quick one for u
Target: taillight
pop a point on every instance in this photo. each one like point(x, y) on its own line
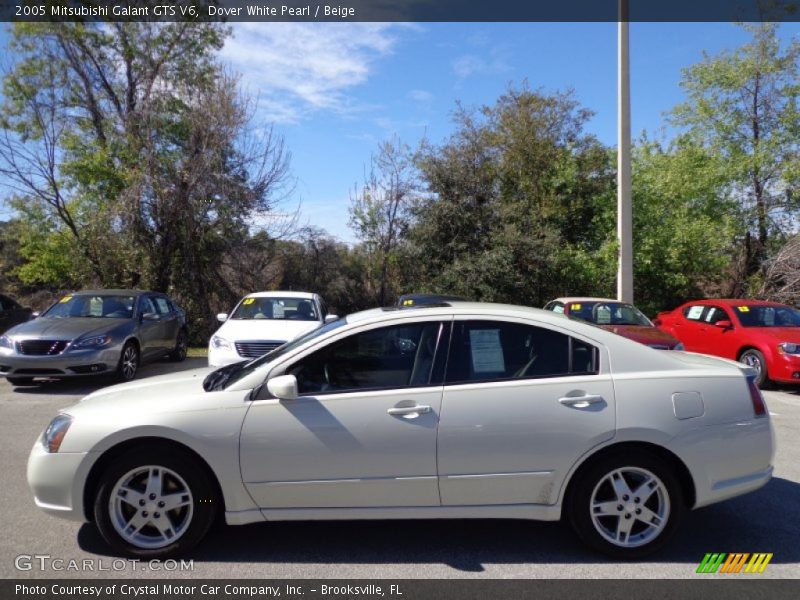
point(759, 406)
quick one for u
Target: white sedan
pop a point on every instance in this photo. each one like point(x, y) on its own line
point(449, 411)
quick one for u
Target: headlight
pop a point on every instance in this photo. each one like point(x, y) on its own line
point(679, 346)
point(789, 348)
point(220, 343)
point(55, 432)
point(93, 342)
point(5, 342)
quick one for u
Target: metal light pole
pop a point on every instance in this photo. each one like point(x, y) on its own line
point(624, 213)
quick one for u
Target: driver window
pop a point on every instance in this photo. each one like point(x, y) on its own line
point(146, 305)
point(716, 314)
point(389, 357)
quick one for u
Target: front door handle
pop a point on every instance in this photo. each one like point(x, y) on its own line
point(409, 411)
point(581, 401)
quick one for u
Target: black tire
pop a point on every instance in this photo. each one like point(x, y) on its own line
point(190, 523)
point(755, 359)
point(594, 479)
point(128, 364)
point(178, 353)
point(19, 381)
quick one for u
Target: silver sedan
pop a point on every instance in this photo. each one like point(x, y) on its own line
point(459, 410)
point(94, 333)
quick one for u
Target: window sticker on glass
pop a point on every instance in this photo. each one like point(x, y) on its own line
point(695, 312)
point(487, 353)
point(65, 299)
point(278, 310)
point(575, 307)
point(743, 308)
point(558, 309)
point(248, 301)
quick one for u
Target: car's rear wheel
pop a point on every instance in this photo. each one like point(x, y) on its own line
point(178, 353)
point(152, 504)
point(626, 506)
point(755, 359)
point(128, 362)
point(20, 380)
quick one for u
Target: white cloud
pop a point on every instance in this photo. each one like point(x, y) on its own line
point(420, 96)
point(298, 68)
point(494, 63)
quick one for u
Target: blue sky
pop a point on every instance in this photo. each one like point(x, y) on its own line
point(335, 90)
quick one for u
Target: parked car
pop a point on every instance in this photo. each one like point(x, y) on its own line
point(94, 332)
point(764, 335)
point(11, 313)
point(620, 317)
point(456, 411)
point(263, 321)
point(409, 300)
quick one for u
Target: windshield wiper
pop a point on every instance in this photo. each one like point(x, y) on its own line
point(216, 380)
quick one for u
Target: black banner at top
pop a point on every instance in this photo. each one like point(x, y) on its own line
point(401, 10)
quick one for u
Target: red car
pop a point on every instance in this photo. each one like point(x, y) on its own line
point(621, 318)
point(764, 335)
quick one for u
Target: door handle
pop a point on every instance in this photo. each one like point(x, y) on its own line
point(409, 410)
point(581, 401)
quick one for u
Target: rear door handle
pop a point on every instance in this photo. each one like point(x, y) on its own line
point(581, 401)
point(409, 410)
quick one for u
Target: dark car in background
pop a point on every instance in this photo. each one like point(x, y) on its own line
point(11, 313)
point(619, 317)
point(95, 332)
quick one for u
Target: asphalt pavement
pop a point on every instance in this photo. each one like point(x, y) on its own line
point(765, 521)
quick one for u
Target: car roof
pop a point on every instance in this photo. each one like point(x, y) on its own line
point(280, 294)
point(735, 302)
point(568, 299)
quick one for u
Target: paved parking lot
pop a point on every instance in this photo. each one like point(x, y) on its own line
point(765, 521)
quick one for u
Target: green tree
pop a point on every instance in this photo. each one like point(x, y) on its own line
point(742, 107)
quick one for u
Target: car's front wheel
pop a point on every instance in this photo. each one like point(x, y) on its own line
point(626, 506)
point(128, 362)
point(755, 359)
point(152, 504)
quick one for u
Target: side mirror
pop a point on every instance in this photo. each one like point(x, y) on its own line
point(222, 317)
point(283, 387)
point(724, 324)
point(330, 318)
point(149, 316)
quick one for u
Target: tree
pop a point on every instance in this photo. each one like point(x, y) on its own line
point(742, 106)
point(135, 144)
point(379, 214)
point(514, 195)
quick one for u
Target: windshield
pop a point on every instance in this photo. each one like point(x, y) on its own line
point(106, 306)
point(768, 316)
point(295, 309)
point(608, 313)
point(227, 376)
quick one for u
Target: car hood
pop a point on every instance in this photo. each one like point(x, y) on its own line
point(649, 336)
point(174, 392)
point(235, 330)
point(64, 329)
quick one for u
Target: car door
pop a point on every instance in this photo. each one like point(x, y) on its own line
point(715, 340)
point(521, 404)
point(363, 431)
point(169, 321)
point(688, 327)
point(150, 330)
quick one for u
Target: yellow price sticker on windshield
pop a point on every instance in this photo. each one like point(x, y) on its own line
point(408, 302)
point(248, 301)
point(65, 299)
point(575, 307)
point(744, 308)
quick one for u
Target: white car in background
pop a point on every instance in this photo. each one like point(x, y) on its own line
point(459, 410)
point(261, 322)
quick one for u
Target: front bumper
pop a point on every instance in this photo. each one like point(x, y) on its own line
point(70, 363)
point(785, 368)
point(56, 480)
point(221, 357)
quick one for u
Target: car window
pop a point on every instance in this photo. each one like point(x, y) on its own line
point(768, 316)
point(162, 306)
point(390, 357)
point(556, 307)
point(694, 312)
point(146, 305)
point(98, 306)
point(714, 314)
point(296, 309)
point(496, 350)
